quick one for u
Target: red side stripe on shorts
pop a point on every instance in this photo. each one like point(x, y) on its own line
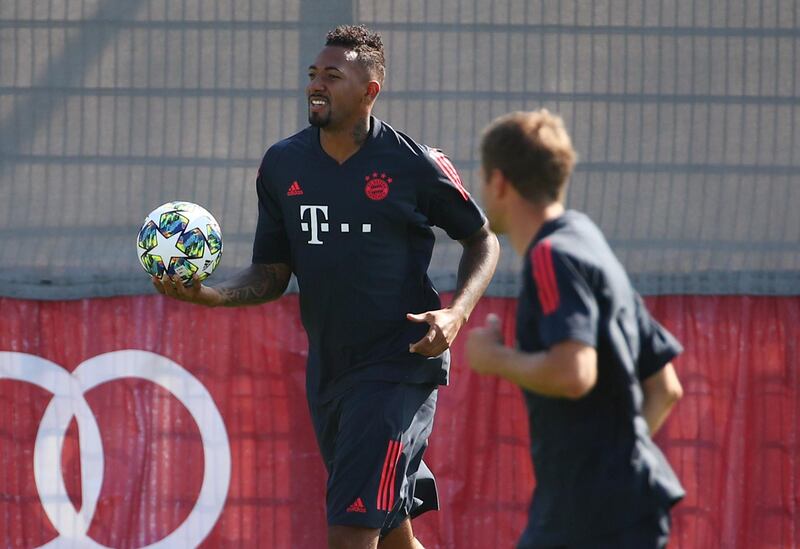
point(386, 465)
point(392, 482)
point(386, 486)
point(545, 276)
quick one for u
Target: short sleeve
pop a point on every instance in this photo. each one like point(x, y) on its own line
point(444, 200)
point(658, 347)
point(567, 304)
point(271, 244)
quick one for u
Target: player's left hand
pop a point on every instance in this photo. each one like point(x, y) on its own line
point(444, 327)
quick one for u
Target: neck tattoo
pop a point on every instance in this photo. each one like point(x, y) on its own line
point(360, 133)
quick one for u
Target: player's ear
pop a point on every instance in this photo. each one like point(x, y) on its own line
point(373, 89)
point(497, 182)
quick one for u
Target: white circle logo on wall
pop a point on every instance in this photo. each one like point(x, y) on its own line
point(68, 401)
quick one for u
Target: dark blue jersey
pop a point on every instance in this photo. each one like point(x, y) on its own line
point(597, 470)
point(358, 238)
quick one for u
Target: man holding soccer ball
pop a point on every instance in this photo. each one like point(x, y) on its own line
point(347, 205)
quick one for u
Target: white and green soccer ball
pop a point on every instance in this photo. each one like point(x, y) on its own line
point(180, 238)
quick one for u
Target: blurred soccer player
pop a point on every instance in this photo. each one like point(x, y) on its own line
point(347, 205)
point(594, 366)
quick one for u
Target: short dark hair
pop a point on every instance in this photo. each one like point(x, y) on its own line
point(533, 151)
point(366, 43)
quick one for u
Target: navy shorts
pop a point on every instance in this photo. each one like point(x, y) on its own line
point(649, 532)
point(372, 439)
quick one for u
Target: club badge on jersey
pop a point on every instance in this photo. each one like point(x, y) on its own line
point(377, 187)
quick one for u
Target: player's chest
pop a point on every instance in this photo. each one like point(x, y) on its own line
point(371, 184)
point(347, 202)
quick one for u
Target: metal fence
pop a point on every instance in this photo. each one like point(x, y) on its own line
point(683, 114)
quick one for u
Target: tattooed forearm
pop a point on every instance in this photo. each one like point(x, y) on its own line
point(258, 283)
point(476, 269)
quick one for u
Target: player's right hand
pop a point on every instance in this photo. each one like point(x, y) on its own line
point(196, 293)
point(483, 344)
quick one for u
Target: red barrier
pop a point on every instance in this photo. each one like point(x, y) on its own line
point(732, 439)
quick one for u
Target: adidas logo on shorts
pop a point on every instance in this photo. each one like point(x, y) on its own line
point(357, 507)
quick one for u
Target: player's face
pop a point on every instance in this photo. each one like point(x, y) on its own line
point(337, 88)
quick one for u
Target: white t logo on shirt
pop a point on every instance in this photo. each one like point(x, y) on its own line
point(316, 223)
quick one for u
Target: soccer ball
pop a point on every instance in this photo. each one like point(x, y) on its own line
point(180, 238)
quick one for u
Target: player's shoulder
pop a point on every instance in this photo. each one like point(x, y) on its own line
point(296, 144)
point(573, 240)
point(579, 249)
point(284, 155)
point(418, 154)
point(571, 231)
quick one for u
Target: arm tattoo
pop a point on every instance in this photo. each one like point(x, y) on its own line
point(476, 268)
point(258, 283)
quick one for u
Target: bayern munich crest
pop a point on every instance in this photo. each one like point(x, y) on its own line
point(377, 187)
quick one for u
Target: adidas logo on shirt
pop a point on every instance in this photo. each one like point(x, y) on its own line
point(294, 189)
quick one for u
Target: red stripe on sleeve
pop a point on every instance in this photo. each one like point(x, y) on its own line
point(545, 276)
point(450, 171)
point(551, 276)
point(543, 290)
point(538, 277)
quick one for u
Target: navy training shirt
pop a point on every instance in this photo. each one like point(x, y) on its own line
point(597, 469)
point(358, 238)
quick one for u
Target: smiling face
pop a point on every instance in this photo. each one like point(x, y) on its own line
point(339, 89)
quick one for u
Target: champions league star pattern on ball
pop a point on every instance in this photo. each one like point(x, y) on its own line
point(180, 238)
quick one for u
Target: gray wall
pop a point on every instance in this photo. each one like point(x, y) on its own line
point(683, 113)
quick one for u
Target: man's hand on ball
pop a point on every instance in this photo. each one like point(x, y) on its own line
point(172, 286)
point(175, 288)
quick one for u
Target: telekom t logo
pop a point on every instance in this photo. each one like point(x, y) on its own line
point(317, 223)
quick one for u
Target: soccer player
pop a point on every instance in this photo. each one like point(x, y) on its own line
point(594, 366)
point(347, 205)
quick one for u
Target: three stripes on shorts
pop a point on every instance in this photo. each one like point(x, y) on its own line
point(385, 500)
